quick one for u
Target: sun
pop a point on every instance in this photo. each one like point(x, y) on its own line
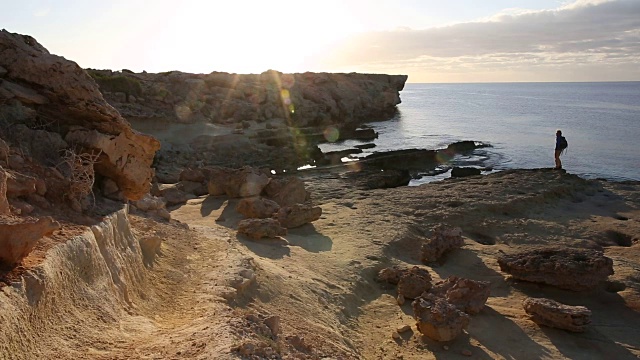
point(251, 37)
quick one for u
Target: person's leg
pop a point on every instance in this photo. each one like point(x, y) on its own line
point(558, 162)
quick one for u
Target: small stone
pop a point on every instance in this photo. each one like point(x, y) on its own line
point(445, 347)
point(467, 352)
point(395, 335)
point(400, 299)
point(404, 328)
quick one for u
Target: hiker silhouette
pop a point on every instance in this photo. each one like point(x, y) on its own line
point(561, 144)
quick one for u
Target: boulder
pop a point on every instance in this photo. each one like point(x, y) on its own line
point(259, 228)
point(387, 179)
point(437, 319)
point(245, 182)
point(413, 282)
point(216, 180)
point(257, 207)
point(465, 294)
point(173, 194)
point(298, 215)
point(554, 314)
point(149, 202)
point(192, 187)
point(391, 274)
point(18, 237)
point(194, 175)
point(571, 269)
point(444, 239)
point(287, 191)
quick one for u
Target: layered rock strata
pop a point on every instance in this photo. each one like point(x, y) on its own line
point(551, 313)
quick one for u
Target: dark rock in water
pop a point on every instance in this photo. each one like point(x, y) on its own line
point(366, 146)
point(360, 134)
point(571, 269)
point(464, 146)
point(464, 171)
point(376, 179)
point(407, 159)
point(335, 157)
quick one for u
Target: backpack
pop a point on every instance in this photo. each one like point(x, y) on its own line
point(563, 143)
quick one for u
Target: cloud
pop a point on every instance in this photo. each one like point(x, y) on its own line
point(582, 33)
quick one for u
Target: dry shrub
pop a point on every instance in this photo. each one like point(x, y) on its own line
point(78, 167)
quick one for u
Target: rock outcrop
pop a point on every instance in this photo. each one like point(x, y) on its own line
point(257, 207)
point(465, 294)
point(298, 214)
point(39, 88)
point(444, 239)
point(571, 269)
point(554, 314)
point(413, 282)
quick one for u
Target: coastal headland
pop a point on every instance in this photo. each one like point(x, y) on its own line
point(154, 216)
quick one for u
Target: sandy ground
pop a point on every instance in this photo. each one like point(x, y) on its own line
point(320, 278)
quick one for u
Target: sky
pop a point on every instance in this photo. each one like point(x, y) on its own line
point(429, 40)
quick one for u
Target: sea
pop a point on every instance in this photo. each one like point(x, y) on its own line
point(601, 121)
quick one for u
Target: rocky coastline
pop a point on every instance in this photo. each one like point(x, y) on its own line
point(163, 216)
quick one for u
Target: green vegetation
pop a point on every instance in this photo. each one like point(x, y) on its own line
point(117, 83)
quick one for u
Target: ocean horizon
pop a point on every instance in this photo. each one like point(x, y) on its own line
point(601, 121)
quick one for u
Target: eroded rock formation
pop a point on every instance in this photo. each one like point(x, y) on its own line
point(19, 236)
point(571, 269)
point(298, 214)
point(465, 294)
point(259, 228)
point(554, 314)
point(444, 239)
point(438, 319)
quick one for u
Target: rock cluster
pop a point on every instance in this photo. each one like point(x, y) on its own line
point(554, 314)
point(443, 310)
point(571, 269)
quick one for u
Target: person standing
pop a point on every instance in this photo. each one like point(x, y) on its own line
point(561, 144)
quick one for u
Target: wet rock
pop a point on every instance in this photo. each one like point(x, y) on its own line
point(551, 313)
point(18, 237)
point(260, 228)
point(413, 282)
point(467, 295)
point(298, 215)
point(257, 207)
point(571, 269)
point(464, 171)
point(444, 239)
point(437, 319)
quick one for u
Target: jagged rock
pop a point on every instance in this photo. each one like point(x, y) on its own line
point(571, 269)
point(465, 294)
point(149, 202)
point(298, 215)
point(18, 237)
point(464, 171)
point(437, 319)
point(246, 182)
point(273, 323)
point(20, 184)
point(554, 314)
point(413, 282)
point(391, 274)
point(257, 207)
point(59, 89)
point(444, 239)
point(4, 204)
point(287, 191)
point(259, 228)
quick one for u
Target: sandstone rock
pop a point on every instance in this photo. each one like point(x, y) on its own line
point(23, 94)
point(298, 215)
point(467, 295)
point(571, 269)
point(150, 246)
point(437, 319)
point(246, 182)
point(554, 314)
point(44, 146)
point(273, 322)
point(257, 207)
point(413, 282)
point(194, 175)
point(444, 239)
point(217, 178)
point(4, 204)
point(287, 191)
point(18, 237)
point(149, 202)
point(173, 195)
point(161, 213)
point(20, 184)
point(21, 207)
point(259, 228)
point(194, 188)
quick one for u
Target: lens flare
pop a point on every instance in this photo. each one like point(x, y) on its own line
point(331, 134)
point(444, 157)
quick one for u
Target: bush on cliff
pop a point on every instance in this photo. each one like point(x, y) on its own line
point(117, 83)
